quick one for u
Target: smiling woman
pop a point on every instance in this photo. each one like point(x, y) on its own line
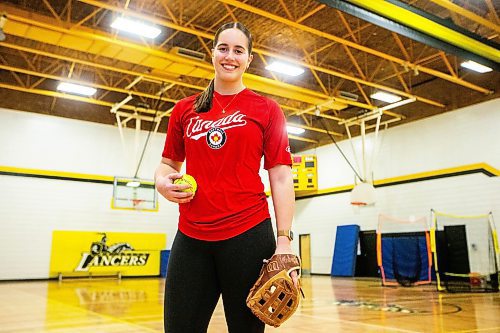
point(223, 143)
point(231, 57)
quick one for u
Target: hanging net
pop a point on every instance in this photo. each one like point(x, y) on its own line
point(403, 251)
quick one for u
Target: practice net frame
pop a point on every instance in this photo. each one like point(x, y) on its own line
point(466, 252)
point(404, 251)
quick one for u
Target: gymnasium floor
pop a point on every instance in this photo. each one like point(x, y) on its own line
point(331, 305)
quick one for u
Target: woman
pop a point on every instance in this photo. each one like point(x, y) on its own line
point(225, 230)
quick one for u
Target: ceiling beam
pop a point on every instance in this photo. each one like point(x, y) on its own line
point(24, 88)
point(424, 27)
point(468, 14)
point(264, 52)
point(57, 94)
point(110, 105)
point(102, 44)
point(319, 33)
point(153, 78)
point(89, 84)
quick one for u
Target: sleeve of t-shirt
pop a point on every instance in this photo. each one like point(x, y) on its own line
point(276, 145)
point(174, 143)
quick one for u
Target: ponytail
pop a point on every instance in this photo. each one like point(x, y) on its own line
point(203, 102)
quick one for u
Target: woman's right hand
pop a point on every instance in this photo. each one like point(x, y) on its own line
point(173, 192)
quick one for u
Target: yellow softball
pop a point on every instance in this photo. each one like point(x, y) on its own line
point(189, 180)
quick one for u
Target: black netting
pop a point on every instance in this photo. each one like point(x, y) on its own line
point(406, 260)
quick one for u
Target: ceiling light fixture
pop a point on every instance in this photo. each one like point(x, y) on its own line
point(284, 68)
point(76, 89)
point(294, 130)
point(397, 104)
point(135, 27)
point(472, 65)
point(385, 97)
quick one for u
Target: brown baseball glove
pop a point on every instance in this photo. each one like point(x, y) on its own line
point(274, 297)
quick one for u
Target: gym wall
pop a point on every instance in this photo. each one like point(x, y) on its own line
point(32, 207)
point(441, 148)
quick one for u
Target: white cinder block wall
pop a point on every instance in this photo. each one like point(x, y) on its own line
point(466, 136)
point(31, 208)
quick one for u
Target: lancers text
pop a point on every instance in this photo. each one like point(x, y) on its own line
point(111, 260)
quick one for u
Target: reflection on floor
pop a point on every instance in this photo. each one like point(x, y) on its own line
point(331, 305)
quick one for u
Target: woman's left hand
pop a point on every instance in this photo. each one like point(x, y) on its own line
point(284, 246)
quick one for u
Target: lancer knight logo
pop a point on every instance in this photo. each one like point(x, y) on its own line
point(119, 254)
point(216, 138)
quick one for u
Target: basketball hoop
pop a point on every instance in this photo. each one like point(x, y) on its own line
point(363, 194)
point(141, 198)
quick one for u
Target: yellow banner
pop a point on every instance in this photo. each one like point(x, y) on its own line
point(81, 253)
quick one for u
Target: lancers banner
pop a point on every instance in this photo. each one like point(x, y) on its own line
point(81, 253)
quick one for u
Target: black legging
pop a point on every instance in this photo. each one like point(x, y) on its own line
point(200, 271)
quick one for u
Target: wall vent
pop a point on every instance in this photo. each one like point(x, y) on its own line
point(188, 53)
point(348, 95)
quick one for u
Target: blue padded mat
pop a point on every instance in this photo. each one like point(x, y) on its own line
point(346, 247)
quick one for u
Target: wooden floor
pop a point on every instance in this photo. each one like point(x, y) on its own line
point(332, 305)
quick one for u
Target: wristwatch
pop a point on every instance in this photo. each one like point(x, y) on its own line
point(288, 233)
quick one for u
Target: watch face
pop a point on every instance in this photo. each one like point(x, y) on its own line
point(286, 233)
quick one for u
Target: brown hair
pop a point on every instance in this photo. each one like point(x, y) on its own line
point(203, 102)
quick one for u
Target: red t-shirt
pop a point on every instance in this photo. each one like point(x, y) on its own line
point(223, 152)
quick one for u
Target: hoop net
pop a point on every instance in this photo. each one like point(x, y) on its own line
point(137, 203)
point(363, 194)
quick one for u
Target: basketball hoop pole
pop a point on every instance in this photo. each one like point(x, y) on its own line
point(363, 194)
point(340, 150)
point(363, 150)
